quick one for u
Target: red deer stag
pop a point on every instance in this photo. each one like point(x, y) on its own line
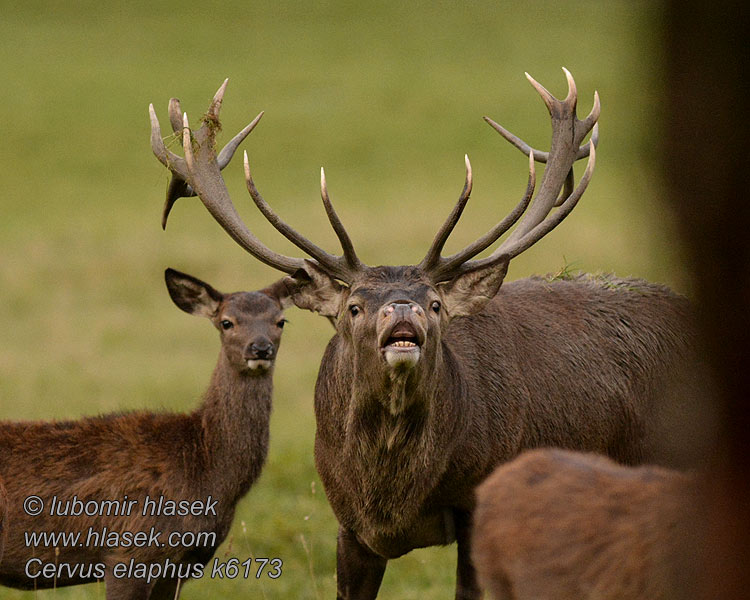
point(571, 526)
point(115, 468)
point(433, 377)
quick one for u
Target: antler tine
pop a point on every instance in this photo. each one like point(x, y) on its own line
point(166, 157)
point(350, 256)
point(215, 106)
point(187, 142)
point(331, 263)
point(446, 267)
point(549, 99)
point(175, 114)
point(572, 98)
point(227, 152)
point(592, 119)
point(432, 258)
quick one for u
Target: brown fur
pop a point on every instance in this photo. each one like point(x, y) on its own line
point(571, 526)
point(3, 517)
point(217, 450)
point(587, 364)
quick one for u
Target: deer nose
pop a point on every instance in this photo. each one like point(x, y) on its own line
point(402, 310)
point(261, 350)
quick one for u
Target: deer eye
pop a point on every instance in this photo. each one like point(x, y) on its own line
point(281, 323)
point(354, 310)
point(226, 324)
point(435, 306)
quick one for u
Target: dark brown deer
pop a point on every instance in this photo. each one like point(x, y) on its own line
point(433, 377)
point(209, 458)
point(566, 525)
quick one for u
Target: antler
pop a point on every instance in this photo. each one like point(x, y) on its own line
point(178, 186)
point(567, 134)
point(199, 173)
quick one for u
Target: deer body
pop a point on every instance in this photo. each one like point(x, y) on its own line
point(500, 384)
point(566, 525)
point(210, 456)
point(436, 374)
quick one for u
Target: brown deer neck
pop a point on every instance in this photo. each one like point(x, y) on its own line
point(234, 426)
point(392, 409)
point(394, 391)
point(400, 458)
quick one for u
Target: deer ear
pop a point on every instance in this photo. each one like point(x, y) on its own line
point(192, 295)
point(282, 291)
point(468, 293)
point(313, 289)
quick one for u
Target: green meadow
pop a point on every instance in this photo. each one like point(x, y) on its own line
point(388, 97)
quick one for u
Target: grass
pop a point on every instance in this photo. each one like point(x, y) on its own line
point(388, 97)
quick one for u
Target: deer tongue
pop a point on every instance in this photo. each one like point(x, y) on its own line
point(403, 330)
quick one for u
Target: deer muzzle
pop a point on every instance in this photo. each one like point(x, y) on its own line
point(260, 355)
point(402, 334)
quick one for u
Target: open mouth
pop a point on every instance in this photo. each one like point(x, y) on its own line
point(402, 347)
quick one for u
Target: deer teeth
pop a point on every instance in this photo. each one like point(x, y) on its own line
point(403, 344)
point(259, 364)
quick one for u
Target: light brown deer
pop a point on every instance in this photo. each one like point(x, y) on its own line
point(208, 458)
point(571, 526)
point(436, 374)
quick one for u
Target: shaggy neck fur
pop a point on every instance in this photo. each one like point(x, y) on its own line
point(396, 458)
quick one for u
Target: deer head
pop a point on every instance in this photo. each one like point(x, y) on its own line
point(250, 323)
point(391, 317)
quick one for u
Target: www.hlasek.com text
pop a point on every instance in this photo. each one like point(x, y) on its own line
point(106, 538)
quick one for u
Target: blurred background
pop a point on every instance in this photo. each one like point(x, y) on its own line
point(388, 97)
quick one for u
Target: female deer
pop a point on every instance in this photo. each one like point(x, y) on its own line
point(119, 477)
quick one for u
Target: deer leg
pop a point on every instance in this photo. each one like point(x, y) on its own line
point(166, 589)
point(359, 570)
point(127, 589)
point(466, 577)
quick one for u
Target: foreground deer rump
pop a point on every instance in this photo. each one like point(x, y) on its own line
point(217, 451)
point(571, 526)
point(436, 374)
